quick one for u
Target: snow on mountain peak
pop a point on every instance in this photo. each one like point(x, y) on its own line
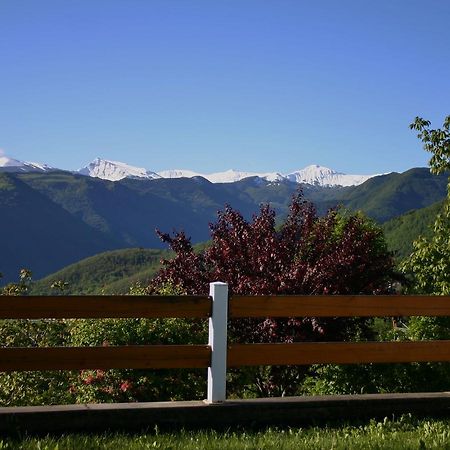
point(228, 176)
point(323, 176)
point(179, 173)
point(23, 166)
point(314, 174)
point(115, 170)
point(9, 162)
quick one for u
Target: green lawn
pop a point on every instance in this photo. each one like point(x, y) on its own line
point(405, 433)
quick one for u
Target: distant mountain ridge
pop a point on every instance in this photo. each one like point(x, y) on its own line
point(50, 219)
point(314, 175)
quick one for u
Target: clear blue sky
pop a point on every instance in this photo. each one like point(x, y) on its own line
point(256, 85)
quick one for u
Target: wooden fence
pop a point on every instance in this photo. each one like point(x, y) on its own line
point(217, 355)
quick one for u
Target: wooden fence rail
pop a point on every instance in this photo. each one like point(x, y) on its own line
point(339, 306)
point(104, 307)
point(114, 357)
point(337, 353)
point(218, 355)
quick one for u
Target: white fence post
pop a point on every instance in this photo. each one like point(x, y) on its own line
point(218, 321)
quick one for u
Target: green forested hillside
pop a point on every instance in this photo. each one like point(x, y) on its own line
point(110, 272)
point(37, 233)
point(129, 211)
point(388, 196)
point(401, 231)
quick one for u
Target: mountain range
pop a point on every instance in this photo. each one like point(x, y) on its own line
point(52, 218)
point(116, 170)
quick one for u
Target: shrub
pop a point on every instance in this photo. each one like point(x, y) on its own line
point(340, 253)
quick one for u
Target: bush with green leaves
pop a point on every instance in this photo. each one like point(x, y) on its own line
point(32, 388)
point(58, 387)
point(118, 385)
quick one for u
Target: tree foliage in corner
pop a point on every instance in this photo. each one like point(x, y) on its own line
point(429, 263)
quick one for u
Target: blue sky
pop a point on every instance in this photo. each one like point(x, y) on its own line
point(256, 85)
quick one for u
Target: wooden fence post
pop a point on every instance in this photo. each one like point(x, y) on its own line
point(218, 342)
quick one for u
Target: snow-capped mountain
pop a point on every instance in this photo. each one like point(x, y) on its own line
point(323, 176)
point(313, 175)
point(179, 173)
point(22, 166)
point(231, 176)
point(115, 170)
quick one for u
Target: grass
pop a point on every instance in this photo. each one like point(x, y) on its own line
point(404, 433)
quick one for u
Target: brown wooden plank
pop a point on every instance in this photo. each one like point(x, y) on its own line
point(120, 357)
point(99, 306)
point(337, 353)
point(339, 305)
